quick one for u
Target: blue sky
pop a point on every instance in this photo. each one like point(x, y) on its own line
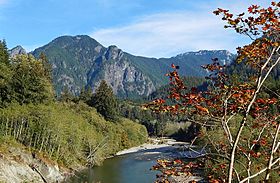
point(155, 28)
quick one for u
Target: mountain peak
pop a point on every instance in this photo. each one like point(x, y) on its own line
point(18, 50)
point(113, 52)
point(224, 56)
point(78, 39)
point(206, 52)
point(72, 44)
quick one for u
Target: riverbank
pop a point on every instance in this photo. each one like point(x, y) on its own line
point(18, 164)
point(152, 143)
point(162, 144)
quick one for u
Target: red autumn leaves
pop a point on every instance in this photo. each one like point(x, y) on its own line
point(174, 168)
point(261, 19)
point(210, 102)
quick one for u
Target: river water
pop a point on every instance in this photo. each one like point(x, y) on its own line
point(128, 168)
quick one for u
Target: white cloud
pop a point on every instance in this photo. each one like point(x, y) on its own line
point(167, 34)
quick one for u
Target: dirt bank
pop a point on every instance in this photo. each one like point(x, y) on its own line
point(17, 165)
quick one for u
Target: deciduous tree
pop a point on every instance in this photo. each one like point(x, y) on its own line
point(242, 131)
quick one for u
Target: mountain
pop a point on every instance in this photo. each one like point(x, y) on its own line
point(189, 62)
point(17, 51)
point(79, 61)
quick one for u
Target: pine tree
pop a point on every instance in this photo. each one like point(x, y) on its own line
point(105, 102)
point(4, 55)
point(47, 66)
point(29, 83)
point(5, 85)
point(5, 75)
point(85, 95)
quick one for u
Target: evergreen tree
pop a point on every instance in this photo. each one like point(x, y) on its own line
point(5, 85)
point(85, 95)
point(47, 66)
point(4, 55)
point(5, 75)
point(105, 102)
point(29, 83)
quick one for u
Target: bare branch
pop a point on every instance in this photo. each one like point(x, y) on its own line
point(269, 166)
point(260, 172)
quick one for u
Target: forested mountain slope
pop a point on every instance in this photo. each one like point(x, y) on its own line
point(79, 61)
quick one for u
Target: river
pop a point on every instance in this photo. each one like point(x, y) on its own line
point(128, 168)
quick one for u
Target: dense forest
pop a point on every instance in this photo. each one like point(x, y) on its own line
point(72, 132)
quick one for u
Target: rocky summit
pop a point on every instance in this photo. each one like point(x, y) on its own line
point(17, 51)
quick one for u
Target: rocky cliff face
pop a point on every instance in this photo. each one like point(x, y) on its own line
point(81, 61)
point(125, 79)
